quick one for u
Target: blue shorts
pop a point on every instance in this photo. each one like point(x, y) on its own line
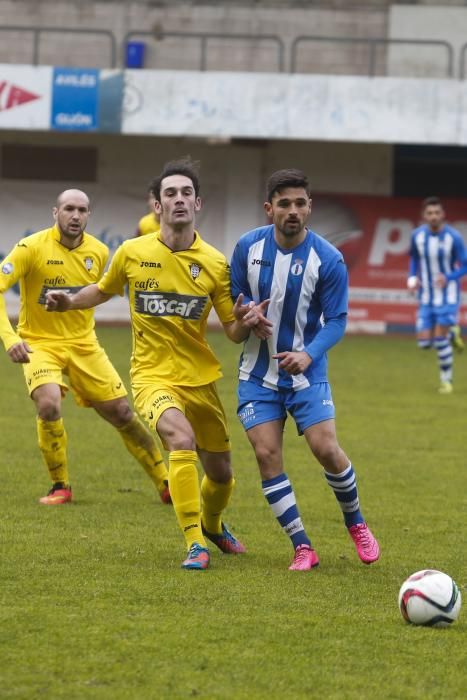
point(430, 316)
point(257, 404)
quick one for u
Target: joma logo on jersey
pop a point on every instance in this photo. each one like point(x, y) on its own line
point(150, 264)
point(55, 262)
point(169, 304)
point(150, 283)
point(257, 261)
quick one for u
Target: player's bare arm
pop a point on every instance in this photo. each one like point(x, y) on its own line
point(86, 298)
point(293, 362)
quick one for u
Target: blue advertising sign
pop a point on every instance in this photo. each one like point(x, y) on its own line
point(75, 99)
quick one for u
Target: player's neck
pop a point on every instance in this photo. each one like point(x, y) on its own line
point(70, 242)
point(177, 238)
point(289, 242)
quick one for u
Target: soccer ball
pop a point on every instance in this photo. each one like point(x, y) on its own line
point(430, 598)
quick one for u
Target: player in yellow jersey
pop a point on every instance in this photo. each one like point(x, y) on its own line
point(149, 223)
point(174, 279)
point(50, 346)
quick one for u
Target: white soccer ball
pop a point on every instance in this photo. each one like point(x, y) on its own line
point(430, 598)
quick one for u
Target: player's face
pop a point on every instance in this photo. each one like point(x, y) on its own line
point(433, 215)
point(289, 211)
point(71, 214)
point(179, 202)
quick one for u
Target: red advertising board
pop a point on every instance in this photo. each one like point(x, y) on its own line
point(373, 234)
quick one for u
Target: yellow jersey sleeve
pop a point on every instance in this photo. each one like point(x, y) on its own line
point(15, 265)
point(12, 269)
point(222, 298)
point(115, 279)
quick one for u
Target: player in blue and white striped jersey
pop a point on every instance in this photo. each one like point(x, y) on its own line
point(305, 279)
point(436, 251)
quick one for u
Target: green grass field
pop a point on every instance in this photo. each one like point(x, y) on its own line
point(94, 604)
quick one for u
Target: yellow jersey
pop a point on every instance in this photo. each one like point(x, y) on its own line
point(171, 294)
point(148, 224)
point(40, 262)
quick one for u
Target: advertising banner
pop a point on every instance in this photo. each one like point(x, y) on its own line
point(75, 99)
point(374, 234)
point(25, 97)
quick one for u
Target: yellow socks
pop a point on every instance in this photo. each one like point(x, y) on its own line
point(141, 443)
point(52, 442)
point(215, 498)
point(184, 489)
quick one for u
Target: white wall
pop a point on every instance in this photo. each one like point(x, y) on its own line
point(440, 23)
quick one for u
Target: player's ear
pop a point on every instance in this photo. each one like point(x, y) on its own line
point(198, 203)
point(268, 209)
point(54, 213)
point(157, 207)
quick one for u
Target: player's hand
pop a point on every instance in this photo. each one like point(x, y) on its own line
point(252, 316)
point(413, 284)
point(55, 300)
point(293, 362)
point(263, 329)
point(20, 352)
point(440, 280)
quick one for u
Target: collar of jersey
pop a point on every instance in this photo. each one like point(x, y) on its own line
point(195, 244)
point(56, 237)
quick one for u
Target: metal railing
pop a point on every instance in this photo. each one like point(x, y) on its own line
point(204, 39)
point(462, 52)
point(372, 44)
point(38, 31)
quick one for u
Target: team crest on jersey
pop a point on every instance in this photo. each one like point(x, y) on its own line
point(297, 267)
point(88, 263)
point(195, 270)
point(7, 268)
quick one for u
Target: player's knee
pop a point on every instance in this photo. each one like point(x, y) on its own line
point(48, 409)
point(178, 440)
point(118, 413)
point(183, 442)
point(266, 455)
point(327, 452)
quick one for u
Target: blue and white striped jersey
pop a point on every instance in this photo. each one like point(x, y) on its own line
point(434, 253)
point(307, 287)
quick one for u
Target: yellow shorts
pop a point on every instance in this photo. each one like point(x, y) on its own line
point(91, 375)
point(201, 406)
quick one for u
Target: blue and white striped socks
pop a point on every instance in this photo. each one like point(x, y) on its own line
point(444, 349)
point(344, 486)
point(280, 496)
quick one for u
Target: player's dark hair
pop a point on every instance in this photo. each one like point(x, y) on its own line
point(431, 202)
point(281, 179)
point(182, 166)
